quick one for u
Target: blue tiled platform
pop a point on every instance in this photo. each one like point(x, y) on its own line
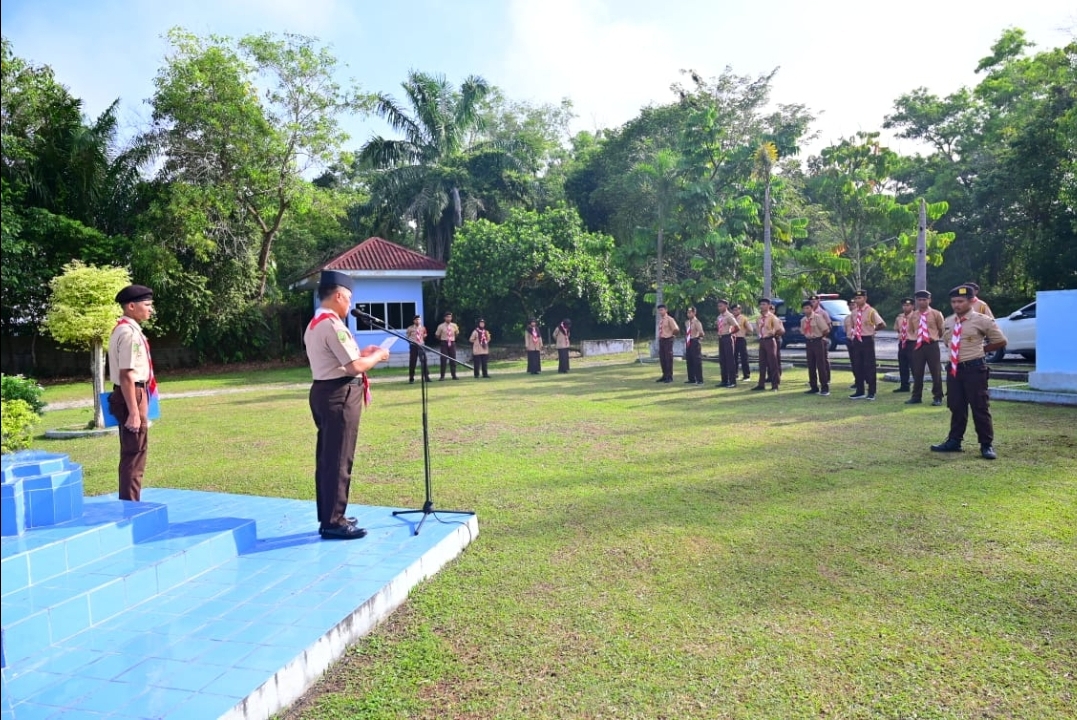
point(198, 605)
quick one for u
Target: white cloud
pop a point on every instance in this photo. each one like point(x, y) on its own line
point(576, 49)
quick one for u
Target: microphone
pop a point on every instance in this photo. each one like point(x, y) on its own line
point(367, 317)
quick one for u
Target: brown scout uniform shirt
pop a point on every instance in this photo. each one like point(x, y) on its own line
point(744, 326)
point(816, 326)
point(910, 328)
point(416, 333)
point(871, 318)
point(447, 332)
point(532, 343)
point(769, 326)
point(979, 306)
point(477, 348)
point(695, 329)
point(729, 324)
point(127, 350)
point(330, 346)
point(668, 327)
point(975, 328)
point(934, 324)
point(560, 339)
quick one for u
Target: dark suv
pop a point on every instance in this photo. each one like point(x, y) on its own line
point(834, 306)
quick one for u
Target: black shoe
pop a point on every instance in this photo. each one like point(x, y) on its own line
point(411, 380)
point(668, 380)
point(746, 377)
point(987, 452)
point(903, 388)
point(870, 397)
point(948, 446)
point(661, 379)
point(342, 532)
point(813, 391)
point(758, 388)
point(441, 378)
point(731, 385)
point(857, 396)
point(454, 377)
point(486, 376)
point(825, 392)
point(913, 401)
point(689, 382)
point(853, 386)
point(936, 403)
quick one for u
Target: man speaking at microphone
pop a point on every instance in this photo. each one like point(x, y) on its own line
point(337, 396)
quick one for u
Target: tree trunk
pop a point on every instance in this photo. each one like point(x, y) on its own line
point(97, 374)
point(767, 262)
point(658, 299)
point(263, 262)
point(921, 249)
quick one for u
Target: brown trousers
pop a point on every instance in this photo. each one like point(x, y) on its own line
point(336, 406)
point(865, 368)
point(727, 362)
point(693, 360)
point(927, 355)
point(449, 350)
point(413, 359)
point(740, 354)
point(770, 366)
point(968, 389)
point(818, 364)
point(134, 446)
point(665, 357)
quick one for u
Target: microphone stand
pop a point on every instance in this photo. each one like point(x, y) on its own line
point(428, 503)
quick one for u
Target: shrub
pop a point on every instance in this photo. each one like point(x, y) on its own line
point(18, 421)
point(17, 387)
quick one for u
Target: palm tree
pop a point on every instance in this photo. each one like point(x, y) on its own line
point(424, 177)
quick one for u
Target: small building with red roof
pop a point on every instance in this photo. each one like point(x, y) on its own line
point(387, 283)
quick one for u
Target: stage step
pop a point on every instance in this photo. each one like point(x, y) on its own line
point(61, 580)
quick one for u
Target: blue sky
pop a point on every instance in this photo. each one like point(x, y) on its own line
point(847, 60)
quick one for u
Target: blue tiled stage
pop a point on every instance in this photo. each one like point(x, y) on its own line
point(198, 605)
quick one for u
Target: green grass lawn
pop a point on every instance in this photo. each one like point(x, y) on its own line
point(652, 551)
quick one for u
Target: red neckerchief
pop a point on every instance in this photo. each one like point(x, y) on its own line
point(326, 314)
point(151, 384)
point(564, 330)
point(484, 337)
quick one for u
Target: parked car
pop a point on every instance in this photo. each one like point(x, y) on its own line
point(834, 306)
point(1020, 331)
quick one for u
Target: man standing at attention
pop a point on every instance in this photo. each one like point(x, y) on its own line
point(533, 346)
point(480, 349)
point(131, 371)
point(740, 342)
point(562, 340)
point(969, 336)
point(667, 330)
point(905, 343)
point(866, 321)
point(768, 329)
point(726, 325)
point(417, 333)
point(446, 333)
point(816, 329)
point(693, 348)
point(337, 396)
point(927, 325)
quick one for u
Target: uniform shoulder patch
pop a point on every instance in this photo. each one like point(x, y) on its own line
point(343, 335)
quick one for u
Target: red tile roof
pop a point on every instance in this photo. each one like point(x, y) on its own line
point(378, 254)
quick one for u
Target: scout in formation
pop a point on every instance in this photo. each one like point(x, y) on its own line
point(533, 346)
point(726, 326)
point(903, 329)
point(815, 325)
point(693, 348)
point(447, 333)
point(863, 323)
point(769, 329)
point(480, 349)
point(561, 336)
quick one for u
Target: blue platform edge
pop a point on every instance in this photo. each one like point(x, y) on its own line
point(233, 610)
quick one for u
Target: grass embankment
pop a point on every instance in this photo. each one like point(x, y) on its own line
point(667, 551)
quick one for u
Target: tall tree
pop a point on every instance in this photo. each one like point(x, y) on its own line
point(424, 176)
point(240, 123)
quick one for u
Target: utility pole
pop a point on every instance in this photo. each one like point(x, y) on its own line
point(921, 249)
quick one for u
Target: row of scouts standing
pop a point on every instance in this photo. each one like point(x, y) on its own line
point(340, 389)
point(968, 334)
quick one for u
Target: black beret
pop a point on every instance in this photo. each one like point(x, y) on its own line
point(813, 297)
point(922, 294)
point(806, 303)
point(735, 306)
point(764, 300)
point(961, 291)
point(860, 293)
point(972, 286)
point(906, 301)
point(332, 278)
point(134, 293)
point(723, 301)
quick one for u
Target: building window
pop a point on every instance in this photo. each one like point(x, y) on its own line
point(397, 315)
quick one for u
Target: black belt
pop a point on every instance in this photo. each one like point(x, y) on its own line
point(818, 339)
point(978, 362)
point(347, 380)
point(117, 388)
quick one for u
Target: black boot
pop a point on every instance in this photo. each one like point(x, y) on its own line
point(950, 445)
